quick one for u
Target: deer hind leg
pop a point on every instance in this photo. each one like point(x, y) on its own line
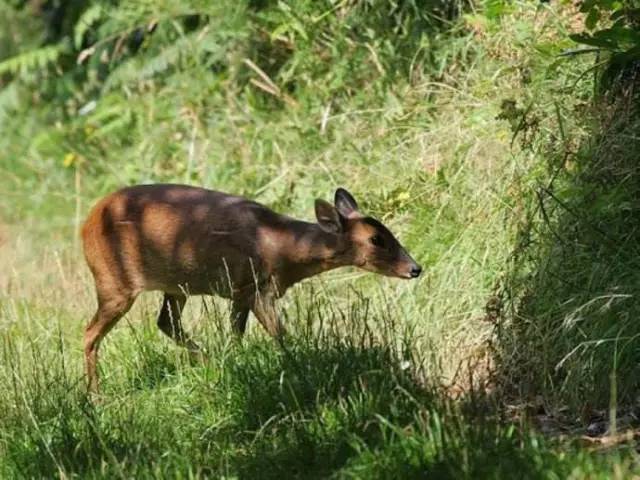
point(169, 321)
point(110, 310)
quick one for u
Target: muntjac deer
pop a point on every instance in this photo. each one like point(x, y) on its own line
point(185, 240)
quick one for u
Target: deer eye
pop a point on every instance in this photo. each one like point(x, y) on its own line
point(377, 241)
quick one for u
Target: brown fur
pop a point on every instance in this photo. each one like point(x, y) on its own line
point(190, 241)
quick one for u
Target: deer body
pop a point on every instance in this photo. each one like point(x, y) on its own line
point(186, 240)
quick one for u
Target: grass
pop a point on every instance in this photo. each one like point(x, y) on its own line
point(351, 399)
point(446, 125)
point(575, 265)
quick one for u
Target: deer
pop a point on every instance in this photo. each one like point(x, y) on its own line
point(186, 240)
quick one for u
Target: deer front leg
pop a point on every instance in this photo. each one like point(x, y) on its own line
point(239, 315)
point(264, 308)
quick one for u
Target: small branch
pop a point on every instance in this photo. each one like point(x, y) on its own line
point(267, 84)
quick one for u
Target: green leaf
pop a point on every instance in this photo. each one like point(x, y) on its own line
point(587, 39)
point(592, 18)
point(616, 38)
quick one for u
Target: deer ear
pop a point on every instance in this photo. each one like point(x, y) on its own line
point(328, 217)
point(346, 204)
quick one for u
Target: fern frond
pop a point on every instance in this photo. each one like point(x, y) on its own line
point(38, 59)
point(170, 56)
point(86, 20)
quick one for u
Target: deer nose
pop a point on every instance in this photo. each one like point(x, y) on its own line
point(416, 270)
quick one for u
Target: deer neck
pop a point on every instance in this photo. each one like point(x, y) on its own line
point(308, 250)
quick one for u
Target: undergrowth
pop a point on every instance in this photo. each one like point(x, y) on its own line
point(576, 269)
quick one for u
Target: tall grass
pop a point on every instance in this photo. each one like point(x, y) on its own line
point(348, 396)
point(580, 267)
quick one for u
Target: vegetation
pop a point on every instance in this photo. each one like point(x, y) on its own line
point(497, 138)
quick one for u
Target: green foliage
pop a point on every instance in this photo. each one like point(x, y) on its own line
point(116, 73)
point(32, 60)
point(612, 26)
point(578, 270)
point(566, 328)
point(86, 21)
